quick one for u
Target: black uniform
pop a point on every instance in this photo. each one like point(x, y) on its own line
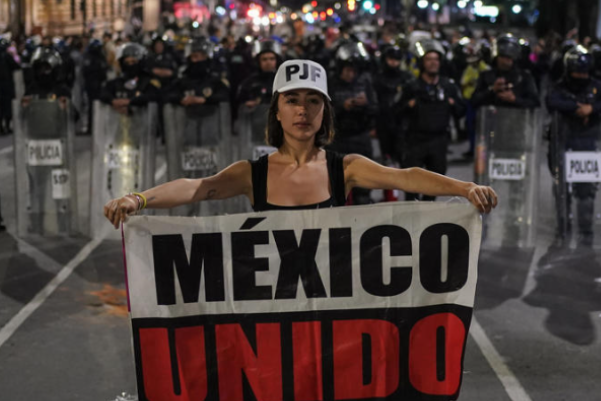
point(8, 66)
point(353, 126)
point(389, 86)
point(141, 90)
point(200, 82)
point(427, 132)
point(258, 86)
point(580, 135)
point(94, 70)
point(519, 81)
point(164, 60)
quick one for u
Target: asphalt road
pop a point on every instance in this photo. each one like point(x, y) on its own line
point(65, 333)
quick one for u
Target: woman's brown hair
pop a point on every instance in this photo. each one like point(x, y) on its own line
point(274, 134)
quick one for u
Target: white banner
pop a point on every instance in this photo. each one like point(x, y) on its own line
point(285, 296)
point(61, 184)
point(583, 166)
point(45, 152)
point(200, 159)
point(507, 169)
point(151, 239)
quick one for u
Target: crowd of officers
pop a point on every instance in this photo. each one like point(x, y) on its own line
point(406, 93)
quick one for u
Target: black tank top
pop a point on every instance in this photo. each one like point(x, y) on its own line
point(335, 173)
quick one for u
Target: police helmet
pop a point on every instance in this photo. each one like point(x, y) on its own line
point(507, 46)
point(484, 51)
point(402, 42)
point(315, 43)
point(352, 53)
point(200, 45)
point(426, 46)
point(595, 51)
point(4, 44)
point(568, 45)
point(45, 55)
point(46, 63)
point(578, 59)
point(266, 46)
point(393, 52)
point(95, 46)
point(131, 49)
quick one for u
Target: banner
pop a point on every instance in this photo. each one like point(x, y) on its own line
point(334, 304)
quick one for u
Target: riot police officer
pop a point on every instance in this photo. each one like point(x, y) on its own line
point(389, 84)
point(428, 103)
point(161, 63)
point(134, 87)
point(46, 65)
point(8, 66)
point(95, 69)
point(506, 85)
point(577, 98)
point(355, 106)
point(200, 84)
point(256, 89)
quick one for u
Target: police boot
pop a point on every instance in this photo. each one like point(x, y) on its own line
point(585, 209)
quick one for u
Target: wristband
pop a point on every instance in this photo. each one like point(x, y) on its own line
point(142, 197)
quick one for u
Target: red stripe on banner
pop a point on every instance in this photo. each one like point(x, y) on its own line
point(435, 354)
point(125, 268)
point(308, 370)
point(235, 355)
point(354, 376)
point(190, 374)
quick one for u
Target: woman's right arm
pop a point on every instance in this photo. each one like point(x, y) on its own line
point(232, 181)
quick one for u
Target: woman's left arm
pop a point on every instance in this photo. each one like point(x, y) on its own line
point(362, 172)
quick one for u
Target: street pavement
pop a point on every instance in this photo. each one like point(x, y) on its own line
point(65, 333)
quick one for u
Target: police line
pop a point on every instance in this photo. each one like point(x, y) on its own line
point(344, 303)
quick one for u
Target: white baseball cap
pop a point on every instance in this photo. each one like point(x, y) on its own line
point(301, 74)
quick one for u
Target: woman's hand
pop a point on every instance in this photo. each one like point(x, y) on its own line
point(117, 210)
point(484, 198)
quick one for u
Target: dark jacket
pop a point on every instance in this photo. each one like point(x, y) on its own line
point(146, 90)
point(564, 98)
point(521, 82)
point(360, 119)
point(430, 116)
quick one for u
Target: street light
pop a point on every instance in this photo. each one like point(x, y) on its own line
point(422, 4)
point(435, 6)
point(516, 9)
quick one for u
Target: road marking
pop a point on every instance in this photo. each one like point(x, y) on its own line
point(514, 389)
point(6, 150)
point(9, 329)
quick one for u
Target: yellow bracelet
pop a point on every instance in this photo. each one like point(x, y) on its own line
point(143, 198)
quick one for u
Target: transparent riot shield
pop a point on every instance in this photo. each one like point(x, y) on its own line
point(507, 158)
point(123, 157)
point(575, 163)
point(19, 84)
point(198, 143)
point(45, 168)
point(251, 132)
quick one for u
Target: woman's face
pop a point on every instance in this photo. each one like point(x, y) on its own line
point(300, 111)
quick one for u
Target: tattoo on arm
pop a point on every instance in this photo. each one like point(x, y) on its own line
point(211, 194)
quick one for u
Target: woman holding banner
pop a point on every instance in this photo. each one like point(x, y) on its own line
point(301, 174)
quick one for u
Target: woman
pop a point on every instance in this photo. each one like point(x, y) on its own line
point(300, 175)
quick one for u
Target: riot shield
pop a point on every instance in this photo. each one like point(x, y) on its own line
point(198, 143)
point(45, 168)
point(19, 84)
point(575, 162)
point(251, 132)
point(507, 158)
point(123, 157)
